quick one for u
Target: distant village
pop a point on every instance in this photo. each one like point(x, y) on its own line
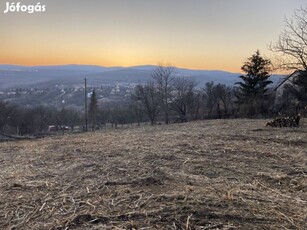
point(61, 96)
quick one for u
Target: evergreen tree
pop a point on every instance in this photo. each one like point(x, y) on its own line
point(93, 109)
point(254, 83)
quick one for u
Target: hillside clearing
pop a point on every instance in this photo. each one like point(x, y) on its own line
point(217, 174)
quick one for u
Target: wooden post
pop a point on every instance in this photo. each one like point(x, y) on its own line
point(85, 101)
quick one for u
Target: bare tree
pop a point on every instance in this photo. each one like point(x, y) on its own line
point(113, 116)
point(68, 117)
point(147, 95)
point(195, 104)
point(219, 100)
point(183, 91)
point(120, 115)
point(292, 42)
point(163, 77)
point(136, 107)
point(6, 110)
point(224, 95)
point(31, 120)
point(292, 45)
point(209, 96)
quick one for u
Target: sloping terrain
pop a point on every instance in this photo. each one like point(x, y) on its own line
point(73, 75)
point(219, 174)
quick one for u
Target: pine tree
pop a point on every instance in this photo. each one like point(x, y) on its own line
point(254, 83)
point(93, 109)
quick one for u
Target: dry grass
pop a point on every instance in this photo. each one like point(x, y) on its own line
point(222, 174)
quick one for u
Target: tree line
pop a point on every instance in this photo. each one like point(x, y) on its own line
point(168, 98)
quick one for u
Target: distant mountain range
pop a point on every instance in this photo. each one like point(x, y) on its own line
point(12, 76)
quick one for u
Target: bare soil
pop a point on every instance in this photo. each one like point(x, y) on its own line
point(217, 174)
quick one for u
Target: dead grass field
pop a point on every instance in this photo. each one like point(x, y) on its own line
point(219, 174)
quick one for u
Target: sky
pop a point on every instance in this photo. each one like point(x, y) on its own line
point(195, 34)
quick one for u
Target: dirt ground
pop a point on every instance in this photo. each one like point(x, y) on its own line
point(217, 174)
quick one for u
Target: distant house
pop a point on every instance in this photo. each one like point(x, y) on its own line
point(279, 89)
point(297, 104)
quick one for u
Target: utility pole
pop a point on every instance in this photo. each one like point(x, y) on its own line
point(85, 101)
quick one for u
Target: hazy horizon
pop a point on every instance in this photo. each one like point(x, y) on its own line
point(131, 66)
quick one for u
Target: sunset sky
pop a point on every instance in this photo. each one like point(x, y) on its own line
point(196, 34)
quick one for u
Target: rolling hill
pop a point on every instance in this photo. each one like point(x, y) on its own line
point(12, 76)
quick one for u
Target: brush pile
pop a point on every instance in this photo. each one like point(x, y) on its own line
point(293, 121)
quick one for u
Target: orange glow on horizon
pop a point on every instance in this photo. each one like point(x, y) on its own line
point(204, 35)
point(112, 64)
